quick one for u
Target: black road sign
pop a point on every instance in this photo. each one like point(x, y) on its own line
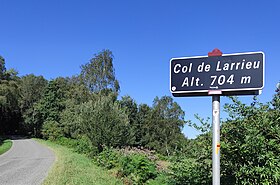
point(229, 74)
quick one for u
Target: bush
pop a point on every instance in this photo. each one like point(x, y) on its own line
point(249, 153)
point(138, 167)
point(250, 147)
point(161, 179)
point(81, 145)
point(51, 130)
point(104, 123)
point(190, 171)
point(108, 158)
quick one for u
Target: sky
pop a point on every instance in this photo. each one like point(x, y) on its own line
point(54, 38)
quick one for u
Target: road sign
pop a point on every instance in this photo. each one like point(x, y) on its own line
point(229, 74)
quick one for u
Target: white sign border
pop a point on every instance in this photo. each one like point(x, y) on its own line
point(223, 90)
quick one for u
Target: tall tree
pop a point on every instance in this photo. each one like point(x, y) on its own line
point(9, 96)
point(131, 109)
point(49, 109)
point(31, 89)
point(99, 74)
point(104, 123)
point(165, 125)
point(144, 120)
point(2, 68)
point(52, 101)
point(75, 95)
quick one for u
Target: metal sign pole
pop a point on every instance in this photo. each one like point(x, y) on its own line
point(217, 75)
point(216, 140)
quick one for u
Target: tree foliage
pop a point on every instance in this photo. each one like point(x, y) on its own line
point(84, 111)
point(104, 123)
point(2, 68)
point(250, 148)
point(31, 91)
point(164, 125)
point(131, 110)
point(99, 74)
point(10, 115)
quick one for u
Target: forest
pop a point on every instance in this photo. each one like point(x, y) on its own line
point(144, 144)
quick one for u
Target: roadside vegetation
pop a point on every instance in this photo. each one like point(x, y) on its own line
point(75, 169)
point(136, 143)
point(5, 145)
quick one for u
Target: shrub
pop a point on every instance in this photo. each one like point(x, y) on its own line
point(104, 123)
point(138, 167)
point(108, 158)
point(190, 171)
point(51, 130)
point(250, 153)
point(81, 145)
point(161, 179)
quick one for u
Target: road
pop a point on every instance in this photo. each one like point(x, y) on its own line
point(26, 163)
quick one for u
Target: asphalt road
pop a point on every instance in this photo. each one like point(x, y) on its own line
point(26, 163)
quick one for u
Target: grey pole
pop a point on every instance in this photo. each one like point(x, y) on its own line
point(216, 140)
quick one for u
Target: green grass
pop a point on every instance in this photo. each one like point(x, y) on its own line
point(5, 145)
point(72, 168)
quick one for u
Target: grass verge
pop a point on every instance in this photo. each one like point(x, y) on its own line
point(5, 145)
point(72, 168)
